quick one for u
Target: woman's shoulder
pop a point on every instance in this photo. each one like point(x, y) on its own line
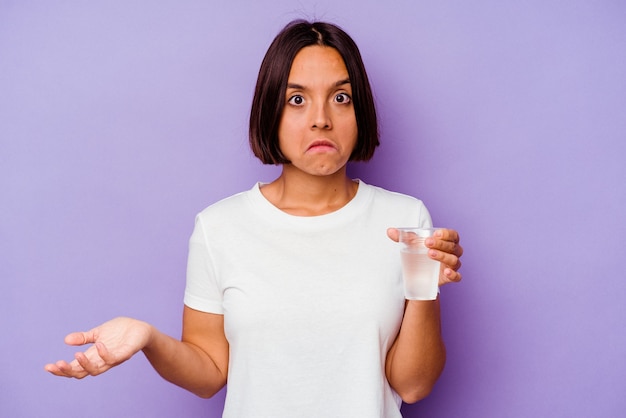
point(380, 194)
point(228, 207)
point(396, 207)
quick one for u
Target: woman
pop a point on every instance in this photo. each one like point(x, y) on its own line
point(294, 293)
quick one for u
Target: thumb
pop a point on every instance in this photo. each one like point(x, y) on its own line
point(393, 234)
point(79, 338)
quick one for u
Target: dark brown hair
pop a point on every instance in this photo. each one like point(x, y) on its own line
point(269, 95)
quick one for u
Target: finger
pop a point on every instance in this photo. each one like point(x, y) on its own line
point(105, 355)
point(64, 369)
point(74, 369)
point(393, 234)
point(54, 369)
point(447, 235)
point(446, 259)
point(96, 360)
point(89, 366)
point(445, 246)
point(80, 338)
point(450, 276)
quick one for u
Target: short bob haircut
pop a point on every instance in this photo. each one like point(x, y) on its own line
point(269, 95)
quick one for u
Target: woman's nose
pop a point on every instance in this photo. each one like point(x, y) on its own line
point(320, 117)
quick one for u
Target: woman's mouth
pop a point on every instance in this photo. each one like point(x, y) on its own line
point(321, 146)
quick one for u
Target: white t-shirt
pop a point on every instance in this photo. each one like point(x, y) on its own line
point(311, 305)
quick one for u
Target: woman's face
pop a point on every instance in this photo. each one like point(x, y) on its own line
point(318, 129)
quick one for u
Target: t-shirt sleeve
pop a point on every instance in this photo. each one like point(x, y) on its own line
point(425, 221)
point(202, 291)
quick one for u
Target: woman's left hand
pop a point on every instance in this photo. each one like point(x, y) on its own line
point(444, 247)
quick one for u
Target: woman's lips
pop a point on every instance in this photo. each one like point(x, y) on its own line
point(321, 145)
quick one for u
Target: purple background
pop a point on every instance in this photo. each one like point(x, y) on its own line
point(120, 120)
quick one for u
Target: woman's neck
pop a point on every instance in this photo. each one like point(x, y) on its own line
point(301, 194)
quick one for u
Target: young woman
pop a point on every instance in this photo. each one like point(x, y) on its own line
point(294, 291)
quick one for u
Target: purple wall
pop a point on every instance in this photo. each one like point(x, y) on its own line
point(120, 120)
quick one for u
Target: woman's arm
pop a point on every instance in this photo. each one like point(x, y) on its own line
point(198, 363)
point(417, 356)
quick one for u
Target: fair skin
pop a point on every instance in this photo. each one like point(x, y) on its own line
point(317, 133)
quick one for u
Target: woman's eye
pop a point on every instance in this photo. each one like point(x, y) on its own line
point(296, 100)
point(342, 98)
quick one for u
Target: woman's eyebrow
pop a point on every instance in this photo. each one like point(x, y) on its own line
point(301, 87)
point(295, 86)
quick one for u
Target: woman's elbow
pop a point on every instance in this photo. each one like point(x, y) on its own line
point(205, 393)
point(416, 393)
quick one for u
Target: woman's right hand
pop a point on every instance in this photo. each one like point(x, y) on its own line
point(114, 342)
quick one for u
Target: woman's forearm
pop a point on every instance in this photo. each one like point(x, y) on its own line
point(184, 364)
point(417, 357)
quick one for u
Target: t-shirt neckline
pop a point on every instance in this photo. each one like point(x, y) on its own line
point(266, 209)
